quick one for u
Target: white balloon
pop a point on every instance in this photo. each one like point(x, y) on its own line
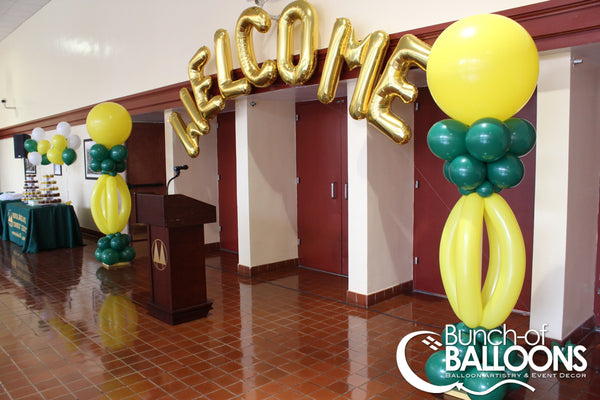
point(37, 134)
point(63, 128)
point(73, 142)
point(35, 158)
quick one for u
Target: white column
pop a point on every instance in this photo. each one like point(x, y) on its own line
point(566, 198)
point(380, 205)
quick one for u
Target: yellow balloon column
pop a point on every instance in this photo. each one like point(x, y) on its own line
point(109, 125)
point(481, 71)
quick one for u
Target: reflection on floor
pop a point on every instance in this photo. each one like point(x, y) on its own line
point(71, 330)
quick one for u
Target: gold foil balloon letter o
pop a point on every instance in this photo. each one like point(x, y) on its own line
point(306, 13)
point(254, 17)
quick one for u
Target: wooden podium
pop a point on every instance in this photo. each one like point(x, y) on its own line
point(176, 247)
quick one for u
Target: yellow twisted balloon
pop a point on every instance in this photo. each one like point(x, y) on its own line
point(110, 124)
point(460, 260)
point(108, 215)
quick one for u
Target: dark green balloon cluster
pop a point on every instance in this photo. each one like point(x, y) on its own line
point(114, 248)
point(483, 157)
point(471, 377)
point(108, 161)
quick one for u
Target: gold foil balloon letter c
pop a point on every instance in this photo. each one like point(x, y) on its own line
point(306, 13)
point(228, 87)
point(254, 17)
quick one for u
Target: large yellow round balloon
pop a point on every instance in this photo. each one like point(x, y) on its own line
point(482, 66)
point(109, 124)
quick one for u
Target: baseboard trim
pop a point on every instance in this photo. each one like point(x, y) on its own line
point(212, 247)
point(368, 300)
point(271, 267)
point(577, 335)
point(91, 233)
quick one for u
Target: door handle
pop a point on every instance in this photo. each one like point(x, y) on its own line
point(333, 190)
point(346, 191)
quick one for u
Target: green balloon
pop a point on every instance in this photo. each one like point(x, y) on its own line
point(498, 344)
point(446, 139)
point(486, 189)
point(103, 243)
point(30, 145)
point(507, 172)
point(120, 166)
point(45, 160)
point(110, 256)
point(488, 139)
point(466, 172)
point(118, 152)
point(118, 242)
point(521, 375)
point(447, 172)
point(107, 165)
point(96, 166)
point(481, 381)
point(435, 369)
point(98, 152)
point(69, 156)
point(127, 254)
point(98, 254)
point(465, 192)
point(522, 136)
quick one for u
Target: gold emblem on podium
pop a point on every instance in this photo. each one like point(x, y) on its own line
point(159, 255)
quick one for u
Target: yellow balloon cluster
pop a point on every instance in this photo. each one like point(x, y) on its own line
point(117, 322)
point(460, 260)
point(110, 217)
point(482, 66)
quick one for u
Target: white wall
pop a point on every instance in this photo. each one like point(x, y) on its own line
point(72, 184)
point(75, 53)
point(266, 176)
point(200, 180)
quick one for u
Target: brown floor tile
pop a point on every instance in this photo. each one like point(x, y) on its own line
point(279, 335)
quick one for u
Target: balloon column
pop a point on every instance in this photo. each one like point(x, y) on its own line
point(481, 71)
point(109, 125)
point(59, 150)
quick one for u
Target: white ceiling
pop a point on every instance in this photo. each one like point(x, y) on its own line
point(14, 12)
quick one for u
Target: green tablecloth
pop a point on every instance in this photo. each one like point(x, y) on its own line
point(41, 227)
point(3, 204)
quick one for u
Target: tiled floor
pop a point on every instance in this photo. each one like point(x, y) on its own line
point(71, 330)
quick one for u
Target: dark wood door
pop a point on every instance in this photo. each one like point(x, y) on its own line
point(321, 165)
point(146, 170)
point(435, 197)
point(597, 278)
point(227, 182)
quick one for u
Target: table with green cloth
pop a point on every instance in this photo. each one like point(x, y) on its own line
point(3, 204)
point(41, 227)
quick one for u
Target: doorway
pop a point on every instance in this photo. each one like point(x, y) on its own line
point(228, 224)
point(434, 197)
point(145, 167)
point(322, 181)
